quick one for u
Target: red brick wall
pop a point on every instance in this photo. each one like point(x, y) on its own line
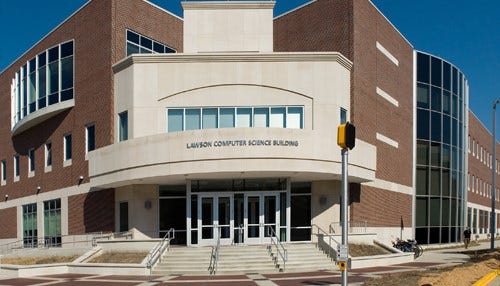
point(477, 168)
point(90, 28)
point(91, 212)
point(325, 25)
point(353, 28)
point(379, 207)
point(8, 223)
point(370, 112)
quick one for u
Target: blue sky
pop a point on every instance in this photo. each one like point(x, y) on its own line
point(463, 32)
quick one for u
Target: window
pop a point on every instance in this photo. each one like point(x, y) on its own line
point(90, 138)
point(123, 126)
point(67, 147)
point(4, 172)
point(31, 159)
point(180, 119)
point(343, 116)
point(16, 167)
point(294, 117)
point(123, 216)
point(30, 230)
point(46, 79)
point(52, 222)
point(48, 154)
point(139, 44)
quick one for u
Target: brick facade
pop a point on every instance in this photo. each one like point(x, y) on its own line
point(380, 208)
point(99, 33)
point(480, 172)
point(91, 212)
point(8, 223)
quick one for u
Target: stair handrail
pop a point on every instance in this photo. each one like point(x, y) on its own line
point(155, 254)
point(280, 248)
point(214, 256)
point(353, 226)
point(327, 248)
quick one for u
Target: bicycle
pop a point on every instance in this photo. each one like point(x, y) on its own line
point(409, 245)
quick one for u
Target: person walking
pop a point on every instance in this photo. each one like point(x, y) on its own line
point(466, 237)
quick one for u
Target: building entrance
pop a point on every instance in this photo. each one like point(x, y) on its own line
point(237, 218)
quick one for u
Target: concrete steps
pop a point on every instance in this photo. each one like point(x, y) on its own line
point(242, 259)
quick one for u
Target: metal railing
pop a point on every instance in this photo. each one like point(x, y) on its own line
point(214, 256)
point(352, 226)
point(88, 239)
point(158, 250)
point(281, 251)
point(325, 243)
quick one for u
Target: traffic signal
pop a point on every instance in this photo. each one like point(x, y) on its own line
point(346, 135)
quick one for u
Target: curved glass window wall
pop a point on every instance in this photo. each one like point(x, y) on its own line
point(44, 80)
point(440, 193)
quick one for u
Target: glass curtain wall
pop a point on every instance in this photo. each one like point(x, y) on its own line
point(440, 164)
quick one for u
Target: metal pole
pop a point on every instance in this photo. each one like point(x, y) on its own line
point(493, 175)
point(345, 204)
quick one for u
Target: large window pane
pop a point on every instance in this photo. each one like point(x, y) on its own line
point(422, 211)
point(67, 73)
point(244, 117)
point(422, 181)
point(435, 154)
point(132, 49)
point(446, 129)
point(435, 182)
point(446, 102)
point(446, 158)
point(435, 211)
point(294, 117)
point(436, 71)
point(423, 95)
point(227, 118)
point(261, 117)
point(445, 212)
point(175, 120)
point(53, 77)
point(436, 99)
point(445, 183)
point(422, 152)
point(446, 76)
point(436, 126)
point(277, 117)
point(423, 124)
point(193, 119)
point(67, 49)
point(423, 68)
point(209, 118)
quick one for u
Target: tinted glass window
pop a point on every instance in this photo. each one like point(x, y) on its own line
point(422, 124)
point(67, 147)
point(422, 152)
point(423, 68)
point(422, 181)
point(435, 126)
point(90, 138)
point(455, 80)
point(446, 129)
point(159, 48)
point(423, 95)
point(210, 118)
point(436, 72)
point(132, 49)
point(446, 102)
point(175, 120)
point(446, 76)
point(193, 117)
point(41, 59)
point(147, 43)
point(436, 98)
point(67, 49)
point(54, 54)
point(435, 154)
point(226, 117)
point(133, 37)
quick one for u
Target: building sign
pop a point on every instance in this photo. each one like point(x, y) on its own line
point(241, 143)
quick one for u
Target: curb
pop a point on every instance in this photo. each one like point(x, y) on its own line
point(487, 279)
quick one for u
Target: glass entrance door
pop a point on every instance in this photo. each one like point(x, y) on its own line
point(215, 216)
point(262, 212)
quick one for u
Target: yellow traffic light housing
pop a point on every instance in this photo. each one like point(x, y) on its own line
point(342, 265)
point(346, 135)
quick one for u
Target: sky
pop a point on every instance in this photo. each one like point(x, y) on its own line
point(463, 32)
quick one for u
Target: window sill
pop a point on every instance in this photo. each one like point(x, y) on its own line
point(16, 179)
point(3, 183)
point(48, 169)
point(67, 163)
point(31, 174)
